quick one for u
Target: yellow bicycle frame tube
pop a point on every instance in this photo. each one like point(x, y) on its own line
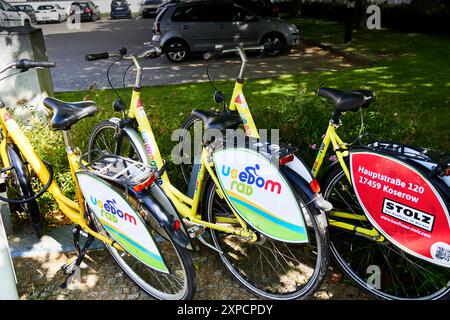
point(69, 207)
point(239, 103)
point(332, 137)
point(337, 143)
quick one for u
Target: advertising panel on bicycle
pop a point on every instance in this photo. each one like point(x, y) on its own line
point(121, 221)
point(260, 194)
point(403, 205)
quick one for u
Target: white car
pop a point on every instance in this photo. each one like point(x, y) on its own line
point(50, 13)
point(10, 17)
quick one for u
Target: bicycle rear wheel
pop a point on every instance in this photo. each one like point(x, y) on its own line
point(402, 275)
point(269, 268)
point(179, 284)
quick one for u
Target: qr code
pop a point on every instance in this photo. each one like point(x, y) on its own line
point(442, 254)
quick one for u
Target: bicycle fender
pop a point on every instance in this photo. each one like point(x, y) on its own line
point(300, 182)
point(155, 191)
point(17, 164)
point(164, 218)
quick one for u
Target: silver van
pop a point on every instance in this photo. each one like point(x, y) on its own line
point(198, 26)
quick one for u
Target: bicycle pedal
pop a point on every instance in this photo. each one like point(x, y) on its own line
point(69, 263)
point(196, 230)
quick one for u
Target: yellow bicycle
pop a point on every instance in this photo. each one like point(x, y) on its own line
point(384, 263)
point(268, 232)
point(389, 227)
point(114, 204)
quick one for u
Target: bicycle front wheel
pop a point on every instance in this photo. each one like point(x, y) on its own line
point(269, 268)
point(401, 275)
point(179, 284)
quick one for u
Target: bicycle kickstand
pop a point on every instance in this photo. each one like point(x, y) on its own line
point(72, 266)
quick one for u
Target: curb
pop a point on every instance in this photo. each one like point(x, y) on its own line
point(25, 244)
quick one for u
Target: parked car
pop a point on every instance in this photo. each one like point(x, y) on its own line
point(10, 17)
point(50, 13)
point(26, 8)
point(87, 10)
point(166, 3)
point(149, 7)
point(120, 9)
point(264, 8)
point(199, 26)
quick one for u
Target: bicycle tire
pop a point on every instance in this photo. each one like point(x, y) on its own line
point(320, 235)
point(186, 168)
point(351, 262)
point(108, 130)
point(22, 183)
point(161, 235)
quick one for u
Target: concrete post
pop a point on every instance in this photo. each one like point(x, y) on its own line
point(23, 91)
point(8, 289)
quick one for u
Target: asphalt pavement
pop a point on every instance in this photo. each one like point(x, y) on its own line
point(68, 47)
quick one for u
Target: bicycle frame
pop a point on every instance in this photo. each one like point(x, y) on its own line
point(185, 205)
point(11, 132)
point(341, 151)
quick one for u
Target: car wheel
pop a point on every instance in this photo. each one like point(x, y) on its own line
point(275, 40)
point(27, 23)
point(182, 52)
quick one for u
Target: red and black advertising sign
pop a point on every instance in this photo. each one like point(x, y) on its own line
point(403, 205)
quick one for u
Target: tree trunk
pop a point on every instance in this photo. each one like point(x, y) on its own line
point(360, 15)
point(296, 7)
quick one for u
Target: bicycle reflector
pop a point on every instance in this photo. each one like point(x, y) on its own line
point(143, 185)
point(286, 159)
point(176, 225)
point(315, 186)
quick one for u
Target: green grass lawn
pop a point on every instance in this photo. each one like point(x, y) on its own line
point(410, 76)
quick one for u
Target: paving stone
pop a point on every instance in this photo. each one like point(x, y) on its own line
point(102, 279)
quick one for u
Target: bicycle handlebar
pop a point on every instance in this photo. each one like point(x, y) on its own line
point(97, 56)
point(213, 54)
point(26, 64)
point(154, 52)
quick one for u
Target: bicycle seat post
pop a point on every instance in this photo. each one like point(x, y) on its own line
point(68, 141)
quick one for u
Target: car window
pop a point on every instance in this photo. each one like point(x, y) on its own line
point(57, 6)
point(80, 5)
point(8, 7)
point(152, 2)
point(195, 13)
point(226, 12)
point(118, 3)
point(48, 7)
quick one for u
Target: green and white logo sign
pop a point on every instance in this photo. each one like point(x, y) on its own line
point(260, 194)
point(121, 221)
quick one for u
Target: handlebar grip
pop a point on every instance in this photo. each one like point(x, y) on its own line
point(211, 54)
point(45, 64)
point(26, 64)
point(97, 56)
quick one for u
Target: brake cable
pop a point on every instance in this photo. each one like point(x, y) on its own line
point(37, 195)
point(109, 80)
point(212, 82)
point(125, 74)
point(10, 75)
